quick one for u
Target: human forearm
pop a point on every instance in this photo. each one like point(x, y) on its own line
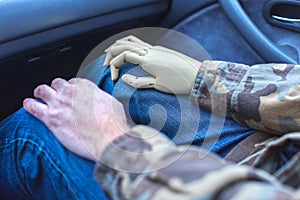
point(260, 96)
point(155, 168)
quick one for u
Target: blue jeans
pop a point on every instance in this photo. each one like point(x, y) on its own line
point(34, 165)
point(173, 115)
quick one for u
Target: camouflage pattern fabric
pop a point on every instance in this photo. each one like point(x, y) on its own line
point(132, 168)
point(263, 97)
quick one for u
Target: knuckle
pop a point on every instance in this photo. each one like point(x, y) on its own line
point(39, 91)
point(53, 114)
point(84, 81)
point(68, 90)
point(36, 111)
point(56, 82)
point(74, 80)
point(54, 117)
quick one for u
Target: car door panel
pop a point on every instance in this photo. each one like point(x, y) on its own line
point(242, 34)
point(219, 37)
point(284, 38)
point(41, 40)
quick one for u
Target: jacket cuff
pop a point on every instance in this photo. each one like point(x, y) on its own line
point(135, 150)
point(215, 84)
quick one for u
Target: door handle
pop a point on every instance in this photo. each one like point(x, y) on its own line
point(259, 42)
point(283, 13)
point(284, 19)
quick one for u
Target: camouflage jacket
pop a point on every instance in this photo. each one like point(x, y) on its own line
point(144, 164)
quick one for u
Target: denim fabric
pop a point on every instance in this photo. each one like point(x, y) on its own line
point(174, 115)
point(34, 165)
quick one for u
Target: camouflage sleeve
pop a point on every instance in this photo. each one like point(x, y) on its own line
point(264, 97)
point(144, 164)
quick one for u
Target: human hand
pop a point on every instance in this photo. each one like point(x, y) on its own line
point(82, 117)
point(172, 72)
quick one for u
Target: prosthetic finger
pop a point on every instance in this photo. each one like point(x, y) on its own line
point(134, 39)
point(116, 62)
point(108, 58)
point(123, 42)
point(118, 49)
point(139, 82)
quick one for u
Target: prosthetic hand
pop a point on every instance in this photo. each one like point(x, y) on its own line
point(172, 72)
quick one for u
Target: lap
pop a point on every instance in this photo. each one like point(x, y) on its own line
point(35, 164)
point(173, 115)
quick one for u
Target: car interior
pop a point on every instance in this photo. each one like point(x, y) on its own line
point(41, 40)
